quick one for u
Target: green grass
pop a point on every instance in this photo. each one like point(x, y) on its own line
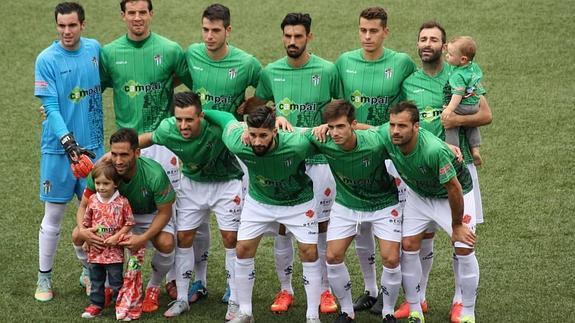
point(525, 246)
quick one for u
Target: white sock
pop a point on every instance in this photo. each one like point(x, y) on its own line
point(365, 250)
point(201, 252)
point(411, 275)
point(171, 275)
point(426, 257)
point(161, 264)
point(390, 284)
point(457, 295)
point(231, 273)
point(312, 284)
point(469, 278)
point(283, 252)
point(184, 267)
point(81, 254)
point(245, 278)
point(321, 250)
point(340, 282)
point(49, 234)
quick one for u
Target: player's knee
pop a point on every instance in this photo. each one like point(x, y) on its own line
point(164, 242)
point(229, 239)
point(244, 251)
point(334, 258)
point(308, 253)
point(390, 260)
point(185, 239)
point(410, 244)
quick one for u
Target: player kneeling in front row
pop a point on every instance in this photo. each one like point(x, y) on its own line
point(365, 193)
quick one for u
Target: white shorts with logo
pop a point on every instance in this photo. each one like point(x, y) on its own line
point(167, 159)
point(476, 193)
point(323, 188)
point(143, 222)
point(421, 213)
point(345, 222)
point(401, 187)
point(260, 218)
point(196, 200)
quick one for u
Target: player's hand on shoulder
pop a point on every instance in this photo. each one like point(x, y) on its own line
point(456, 151)
point(283, 124)
point(320, 132)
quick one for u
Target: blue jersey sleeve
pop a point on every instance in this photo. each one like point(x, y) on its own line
point(55, 120)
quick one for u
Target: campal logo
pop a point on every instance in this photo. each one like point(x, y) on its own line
point(358, 99)
point(133, 88)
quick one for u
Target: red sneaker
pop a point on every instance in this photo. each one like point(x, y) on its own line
point(92, 311)
point(456, 312)
point(282, 302)
point(151, 302)
point(327, 303)
point(402, 311)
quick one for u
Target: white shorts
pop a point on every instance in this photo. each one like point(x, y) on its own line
point(345, 222)
point(476, 193)
point(323, 188)
point(259, 218)
point(167, 159)
point(421, 212)
point(196, 200)
point(143, 222)
point(245, 178)
point(401, 187)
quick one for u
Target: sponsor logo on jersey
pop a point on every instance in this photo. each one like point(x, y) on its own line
point(418, 90)
point(429, 114)
point(197, 68)
point(158, 59)
point(206, 97)
point(102, 230)
point(288, 162)
point(388, 72)
point(443, 170)
point(95, 61)
point(423, 169)
point(133, 88)
point(351, 71)
point(121, 62)
point(279, 79)
point(358, 99)
point(77, 93)
point(232, 73)
point(264, 181)
point(287, 106)
point(315, 79)
point(65, 72)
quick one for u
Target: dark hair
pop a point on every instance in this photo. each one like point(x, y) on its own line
point(106, 168)
point(375, 13)
point(187, 99)
point(262, 117)
point(466, 46)
point(408, 106)
point(123, 4)
point(217, 11)
point(433, 24)
point(65, 8)
point(296, 18)
point(338, 108)
point(128, 135)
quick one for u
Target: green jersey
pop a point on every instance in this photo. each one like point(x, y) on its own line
point(222, 84)
point(205, 158)
point(278, 177)
point(427, 93)
point(361, 178)
point(466, 81)
point(147, 189)
point(429, 166)
point(141, 74)
point(300, 93)
point(373, 86)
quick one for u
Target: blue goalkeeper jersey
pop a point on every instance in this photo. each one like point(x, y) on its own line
point(70, 78)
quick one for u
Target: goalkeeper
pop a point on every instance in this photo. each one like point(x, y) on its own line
point(67, 82)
